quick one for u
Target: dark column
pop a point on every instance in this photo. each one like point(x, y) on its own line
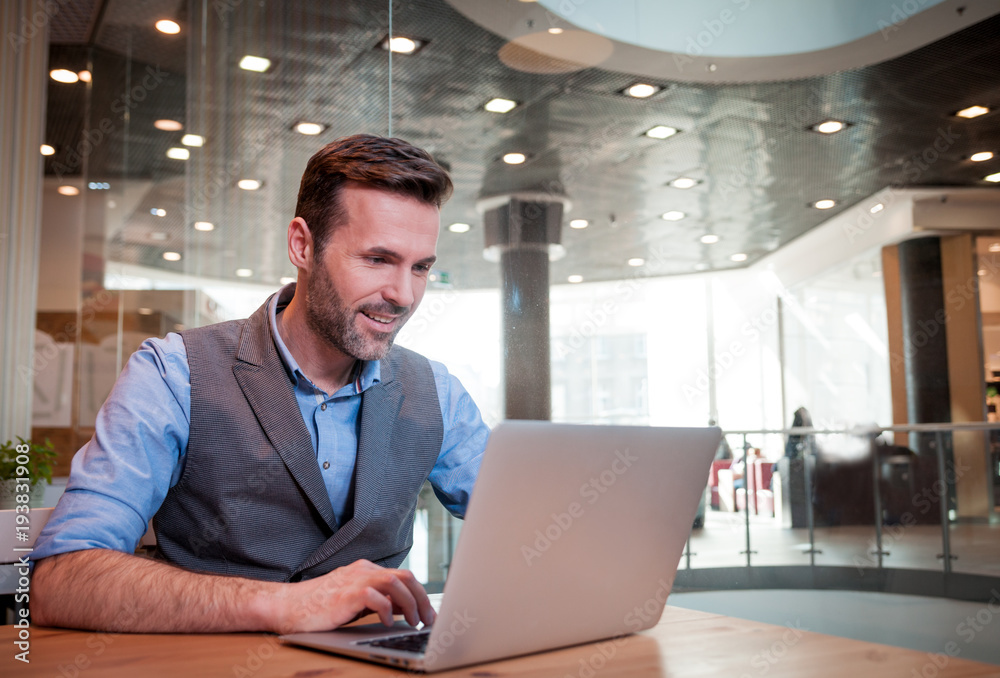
point(527, 377)
point(925, 347)
point(522, 231)
point(924, 334)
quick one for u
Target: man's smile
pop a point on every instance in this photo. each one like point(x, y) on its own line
point(385, 320)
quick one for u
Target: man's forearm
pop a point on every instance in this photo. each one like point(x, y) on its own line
point(112, 591)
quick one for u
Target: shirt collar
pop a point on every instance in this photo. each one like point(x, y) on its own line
point(369, 374)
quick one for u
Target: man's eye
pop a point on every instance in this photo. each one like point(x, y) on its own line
point(422, 268)
point(376, 260)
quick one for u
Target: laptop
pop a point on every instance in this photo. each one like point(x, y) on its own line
point(573, 534)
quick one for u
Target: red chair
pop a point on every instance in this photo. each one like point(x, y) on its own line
point(713, 479)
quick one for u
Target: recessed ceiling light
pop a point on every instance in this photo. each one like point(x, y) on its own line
point(65, 189)
point(178, 153)
point(514, 158)
point(579, 223)
point(829, 127)
point(47, 150)
point(204, 226)
point(255, 63)
point(62, 75)
point(641, 90)
point(981, 156)
point(739, 256)
point(575, 279)
point(995, 247)
point(636, 261)
point(498, 105)
point(167, 26)
point(876, 208)
point(142, 310)
point(98, 185)
point(158, 212)
point(172, 256)
point(555, 30)
point(459, 227)
point(168, 125)
point(249, 184)
point(684, 182)
point(995, 177)
point(158, 236)
point(972, 112)
point(661, 132)
point(244, 272)
point(673, 215)
point(981, 271)
point(309, 128)
point(84, 76)
point(193, 140)
point(824, 204)
point(401, 44)
point(710, 239)
point(284, 280)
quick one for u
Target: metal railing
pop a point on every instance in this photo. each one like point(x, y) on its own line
point(938, 443)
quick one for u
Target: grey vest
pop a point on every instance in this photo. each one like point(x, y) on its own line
point(251, 501)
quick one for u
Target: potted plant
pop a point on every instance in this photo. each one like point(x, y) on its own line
point(25, 455)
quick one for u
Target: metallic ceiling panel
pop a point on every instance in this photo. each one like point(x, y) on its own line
point(748, 145)
point(71, 22)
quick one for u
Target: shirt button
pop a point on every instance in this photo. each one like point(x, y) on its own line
point(326, 465)
point(323, 407)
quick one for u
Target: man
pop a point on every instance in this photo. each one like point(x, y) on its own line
point(282, 454)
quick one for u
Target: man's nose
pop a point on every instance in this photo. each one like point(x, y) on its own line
point(400, 290)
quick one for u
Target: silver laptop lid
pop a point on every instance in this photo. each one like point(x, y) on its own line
point(573, 534)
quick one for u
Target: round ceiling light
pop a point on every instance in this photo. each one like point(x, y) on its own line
point(641, 90)
point(168, 125)
point(167, 26)
point(63, 75)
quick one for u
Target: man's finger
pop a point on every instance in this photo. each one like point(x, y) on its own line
point(423, 604)
point(378, 603)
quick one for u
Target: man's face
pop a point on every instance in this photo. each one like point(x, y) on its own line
point(372, 273)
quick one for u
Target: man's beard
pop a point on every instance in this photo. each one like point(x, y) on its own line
point(328, 316)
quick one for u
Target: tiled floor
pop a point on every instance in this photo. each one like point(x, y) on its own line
point(722, 543)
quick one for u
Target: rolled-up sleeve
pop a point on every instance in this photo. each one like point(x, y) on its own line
point(465, 436)
point(121, 476)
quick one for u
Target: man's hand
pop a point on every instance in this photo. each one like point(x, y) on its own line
point(111, 591)
point(345, 594)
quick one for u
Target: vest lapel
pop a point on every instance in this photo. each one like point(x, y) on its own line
point(263, 379)
point(380, 406)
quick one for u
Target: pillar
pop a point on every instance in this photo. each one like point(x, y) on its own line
point(522, 231)
point(936, 361)
point(23, 83)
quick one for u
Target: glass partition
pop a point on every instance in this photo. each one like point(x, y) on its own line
point(185, 152)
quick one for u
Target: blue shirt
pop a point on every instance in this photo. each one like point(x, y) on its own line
point(119, 479)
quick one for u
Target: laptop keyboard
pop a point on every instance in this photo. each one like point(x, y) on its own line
point(409, 642)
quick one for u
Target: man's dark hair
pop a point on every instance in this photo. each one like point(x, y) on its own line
point(379, 162)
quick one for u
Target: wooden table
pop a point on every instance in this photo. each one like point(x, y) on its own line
point(685, 643)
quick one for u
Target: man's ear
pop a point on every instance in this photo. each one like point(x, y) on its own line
point(300, 243)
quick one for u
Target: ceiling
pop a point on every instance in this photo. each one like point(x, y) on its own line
point(758, 165)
